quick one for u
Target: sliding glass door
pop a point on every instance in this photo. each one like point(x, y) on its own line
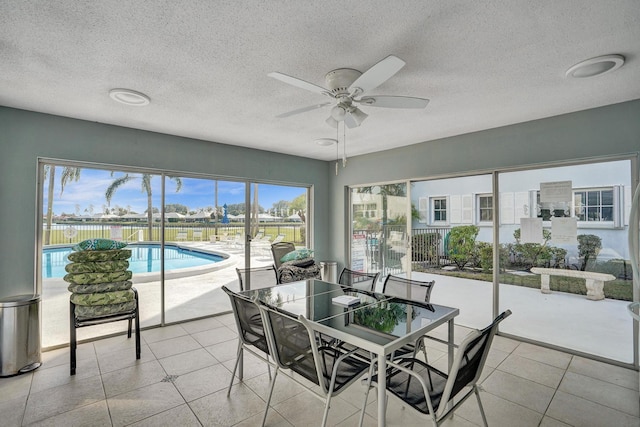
point(379, 239)
point(452, 241)
point(549, 243)
point(81, 203)
point(187, 235)
point(278, 213)
point(566, 272)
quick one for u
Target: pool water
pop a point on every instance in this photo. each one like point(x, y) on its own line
point(144, 259)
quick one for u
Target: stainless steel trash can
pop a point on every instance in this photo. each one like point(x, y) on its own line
point(329, 271)
point(20, 350)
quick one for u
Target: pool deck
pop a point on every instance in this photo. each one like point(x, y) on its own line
point(602, 328)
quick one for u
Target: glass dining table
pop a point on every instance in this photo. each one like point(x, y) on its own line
point(375, 322)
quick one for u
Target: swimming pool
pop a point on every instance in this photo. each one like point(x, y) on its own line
point(145, 258)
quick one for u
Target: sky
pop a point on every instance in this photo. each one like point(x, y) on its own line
point(195, 193)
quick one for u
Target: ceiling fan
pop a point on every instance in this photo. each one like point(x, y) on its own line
point(347, 86)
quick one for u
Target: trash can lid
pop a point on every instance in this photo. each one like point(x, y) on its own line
point(18, 300)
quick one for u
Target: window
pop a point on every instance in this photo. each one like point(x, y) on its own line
point(589, 205)
point(485, 208)
point(593, 205)
point(365, 210)
point(439, 209)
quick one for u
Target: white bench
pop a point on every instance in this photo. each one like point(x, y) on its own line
point(594, 281)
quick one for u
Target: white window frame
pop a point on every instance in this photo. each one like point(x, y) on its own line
point(432, 210)
point(618, 207)
point(479, 208)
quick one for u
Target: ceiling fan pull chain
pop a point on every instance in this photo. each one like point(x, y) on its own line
point(337, 148)
point(344, 146)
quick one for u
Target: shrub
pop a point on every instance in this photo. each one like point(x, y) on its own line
point(528, 255)
point(484, 256)
point(616, 267)
point(462, 242)
point(588, 247)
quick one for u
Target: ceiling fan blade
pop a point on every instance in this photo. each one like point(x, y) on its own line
point(393, 101)
point(302, 110)
point(294, 81)
point(378, 74)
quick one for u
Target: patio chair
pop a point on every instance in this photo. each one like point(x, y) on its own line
point(280, 249)
point(238, 240)
point(226, 239)
point(80, 322)
point(257, 277)
point(197, 234)
point(251, 333)
point(261, 244)
point(358, 280)
point(397, 286)
point(181, 235)
point(406, 377)
point(279, 238)
point(294, 346)
point(414, 290)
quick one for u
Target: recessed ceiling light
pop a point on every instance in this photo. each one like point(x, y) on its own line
point(596, 66)
point(129, 97)
point(325, 142)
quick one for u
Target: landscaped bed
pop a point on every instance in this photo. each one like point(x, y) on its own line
point(619, 289)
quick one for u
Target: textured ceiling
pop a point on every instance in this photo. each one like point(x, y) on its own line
point(204, 64)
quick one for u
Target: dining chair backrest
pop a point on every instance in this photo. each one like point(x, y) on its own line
point(439, 394)
point(291, 345)
point(294, 347)
point(248, 320)
point(257, 277)
point(400, 286)
point(470, 359)
point(358, 280)
point(279, 250)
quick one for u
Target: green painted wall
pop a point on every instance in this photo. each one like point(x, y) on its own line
point(604, 131)
point(25, 136)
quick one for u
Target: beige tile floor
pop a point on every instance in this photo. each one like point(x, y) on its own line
point(182, 379)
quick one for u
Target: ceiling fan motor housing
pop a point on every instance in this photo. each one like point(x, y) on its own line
point(338, 81)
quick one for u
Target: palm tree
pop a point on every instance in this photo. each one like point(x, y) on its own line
point(146, 188)
point(68, 174)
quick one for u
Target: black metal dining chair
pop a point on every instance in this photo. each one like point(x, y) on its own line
point(280, 249)
point(251, 334)
point(257, 277)
point(296, 347)
point(438, 394)
point(414, 290)
point(358, 280)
